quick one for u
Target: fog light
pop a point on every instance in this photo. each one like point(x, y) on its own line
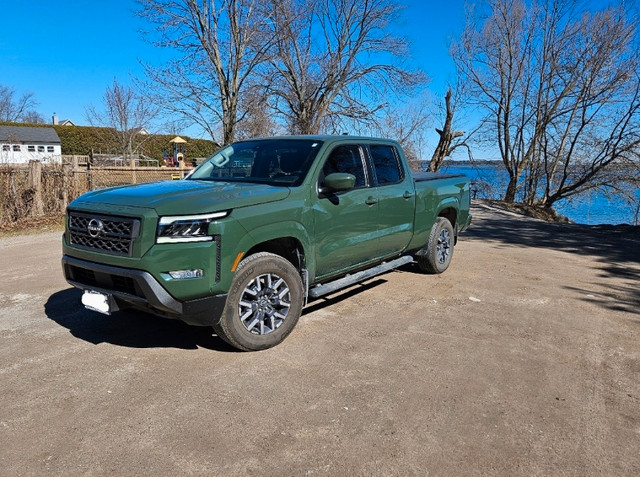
point(185, 274)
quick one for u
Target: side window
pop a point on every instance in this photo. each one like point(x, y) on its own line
point(40, 148)
point(31, 148)
point(49, 148)
point(346, 159)
point(386, 164)
point(16, 147)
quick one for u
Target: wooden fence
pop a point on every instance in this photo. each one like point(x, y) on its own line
point(39, 190)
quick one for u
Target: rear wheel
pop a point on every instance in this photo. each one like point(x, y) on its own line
point(264, 303)
point(436, 256)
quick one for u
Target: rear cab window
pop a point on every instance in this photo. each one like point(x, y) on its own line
point(386, 164)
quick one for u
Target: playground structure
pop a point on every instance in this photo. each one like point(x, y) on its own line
point(177, 156)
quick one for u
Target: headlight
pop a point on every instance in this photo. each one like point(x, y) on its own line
point(186, 228)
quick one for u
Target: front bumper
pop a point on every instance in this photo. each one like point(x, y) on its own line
point(139, 289)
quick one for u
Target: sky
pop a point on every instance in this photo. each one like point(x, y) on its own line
point(68, 52)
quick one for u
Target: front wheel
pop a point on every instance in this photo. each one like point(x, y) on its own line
point(264, 303)
point(436, 256)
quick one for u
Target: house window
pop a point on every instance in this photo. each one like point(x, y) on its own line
point(5, 147)
point(31, 148)
point(40, 148)
point(49, 148)
point(16, 147)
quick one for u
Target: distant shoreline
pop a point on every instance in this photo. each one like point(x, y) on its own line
point(490, 178)
point(466, 162)
point(539, 213)
point(475, 162)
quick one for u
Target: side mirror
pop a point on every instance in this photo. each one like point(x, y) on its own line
point(339, 181)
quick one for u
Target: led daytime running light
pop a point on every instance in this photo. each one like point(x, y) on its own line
point(173, 218)
point(186, 228)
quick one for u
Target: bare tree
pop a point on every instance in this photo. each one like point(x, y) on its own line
point(33, 117)
point(14, 108)
point(447, 135)
point(593, 137)
point(122, 115)
point(406, 123)
point(329, 61)
point(258, 118)
point(219, 45)
point(493, 57)
point(560, 86)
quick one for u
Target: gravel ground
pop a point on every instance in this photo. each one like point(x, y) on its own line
point(522, 359)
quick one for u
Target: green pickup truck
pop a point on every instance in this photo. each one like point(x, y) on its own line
point(259, 229)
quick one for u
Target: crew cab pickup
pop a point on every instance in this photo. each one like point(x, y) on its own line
point(259, 229)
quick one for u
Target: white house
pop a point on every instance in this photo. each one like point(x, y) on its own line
point(19, 145)
point(62, 122)
point(142, 131)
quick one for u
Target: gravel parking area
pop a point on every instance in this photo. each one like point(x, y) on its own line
point(522, 359)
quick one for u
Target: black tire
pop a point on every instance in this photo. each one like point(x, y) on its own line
point(436, 256)
point(264, 303)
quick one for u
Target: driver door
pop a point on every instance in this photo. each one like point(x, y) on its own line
point(346, 222)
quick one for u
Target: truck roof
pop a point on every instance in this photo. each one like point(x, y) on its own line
point(324, 138)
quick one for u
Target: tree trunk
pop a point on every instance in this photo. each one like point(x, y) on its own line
point(65, 169)
point(446, 138)
point(229, 121)
point(35, 186)
point(510, 194)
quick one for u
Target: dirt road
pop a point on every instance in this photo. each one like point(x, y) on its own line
point(522, 359)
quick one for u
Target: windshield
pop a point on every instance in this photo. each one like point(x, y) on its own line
point(279, 162)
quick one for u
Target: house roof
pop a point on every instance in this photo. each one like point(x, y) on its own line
point(25, 134)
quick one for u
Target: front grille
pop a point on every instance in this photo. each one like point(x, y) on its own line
point(104, 233)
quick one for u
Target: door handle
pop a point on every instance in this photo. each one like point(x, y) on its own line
point(371, 200)
point(407, 195)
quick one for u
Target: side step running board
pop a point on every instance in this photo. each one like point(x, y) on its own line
point(358, 277)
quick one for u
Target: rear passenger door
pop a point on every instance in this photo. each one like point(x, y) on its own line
point(396, 199)
point(346, 222)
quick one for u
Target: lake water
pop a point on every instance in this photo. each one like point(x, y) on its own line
point(591, 208)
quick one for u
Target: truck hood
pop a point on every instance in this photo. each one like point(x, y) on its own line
point(185, 196)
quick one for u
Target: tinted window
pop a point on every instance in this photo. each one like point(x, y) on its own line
point(346, 159)
point(386, 164)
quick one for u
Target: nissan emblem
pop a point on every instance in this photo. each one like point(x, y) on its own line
point(95, 227)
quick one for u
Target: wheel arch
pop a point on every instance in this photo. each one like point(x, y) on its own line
point(290, 248)
point(288, 239)
point(449, 210)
